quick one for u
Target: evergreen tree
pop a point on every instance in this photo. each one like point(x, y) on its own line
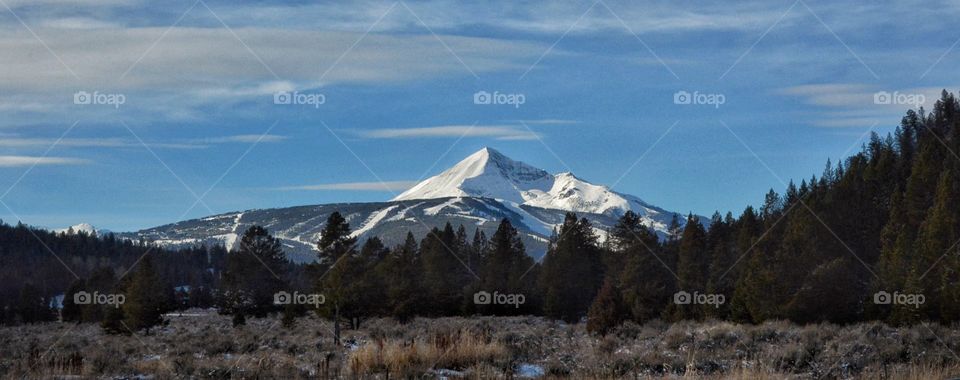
point(403, 285)
point(145, 298)
point(646, 281)
point(338, 255)
point(572, 271)
point(445, 276)
point(692, 265)
point(937, 237)
point(253, 274)
point(33, 306)
point(73, 312)
point(506, 269)
point(607, 310)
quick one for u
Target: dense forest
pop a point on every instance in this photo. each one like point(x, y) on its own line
point(874, 237)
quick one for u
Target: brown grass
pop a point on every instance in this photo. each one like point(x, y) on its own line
point(207, 347)
point(458, 351)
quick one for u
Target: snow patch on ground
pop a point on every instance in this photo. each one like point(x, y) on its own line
point(530, 371)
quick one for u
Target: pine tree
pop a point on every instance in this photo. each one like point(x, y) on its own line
point(935, 240)
point(607, 311)
point(145, 298)
point(692, 265)
point(403, 285)
point(73, 312)
point(445, 276)
point(102, 280)
point(572, 271)
point(647, 283)
point(721, 277)
point(33, 306)
point(335, 240)
point(253, 274)
point(894, 263)
point(338, 255)
point(506, 268)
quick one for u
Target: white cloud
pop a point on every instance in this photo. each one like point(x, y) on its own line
point(246, 139)
point(110, 142)
point(212, 60)
point(18, 161)
point(499, 132)
point(541, 17)
point(392, 186)
point(546, 121)
point(11, 141)
point(78, 23)
point(861, 105)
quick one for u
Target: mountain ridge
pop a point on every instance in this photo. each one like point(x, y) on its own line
point(477, 193)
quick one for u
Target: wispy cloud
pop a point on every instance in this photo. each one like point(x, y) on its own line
point(18, 161)
point(11, 141)
point(860, 105)
point(392, 186)
point(499, 132)
point(546, 121)
point(246, 139)
point(90, 143)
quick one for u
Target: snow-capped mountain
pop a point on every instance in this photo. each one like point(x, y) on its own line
point(476, 193)
point(490, 174)
point(86, 228)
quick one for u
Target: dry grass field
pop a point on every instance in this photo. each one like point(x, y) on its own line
point(203, 345)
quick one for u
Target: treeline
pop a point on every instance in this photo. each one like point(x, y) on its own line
point(38, 267)
point(872, 238)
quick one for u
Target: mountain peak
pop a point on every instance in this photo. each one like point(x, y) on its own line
point(487, 173)
point(82, 227)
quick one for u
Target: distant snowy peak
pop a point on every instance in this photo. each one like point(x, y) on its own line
point(82, 227)
point(489, 174)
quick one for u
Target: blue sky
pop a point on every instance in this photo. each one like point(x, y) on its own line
point(198, 120)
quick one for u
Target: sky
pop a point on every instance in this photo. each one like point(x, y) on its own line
point(128, 114)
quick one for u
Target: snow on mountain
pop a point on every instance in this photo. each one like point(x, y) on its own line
point(476, 193)
point(490, 174)
point(82, 227)
point(485, 174)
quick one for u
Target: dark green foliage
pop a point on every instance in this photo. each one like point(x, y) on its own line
point(572, 271)
point(54, 262)
point(401, 271)
point(147, 298)
point(646, 280)
point(73, 312)
point(607, 310)
point(33, 306)
point(254, 274)
point(507, 270)
point(692, 264)
point(445, 274)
